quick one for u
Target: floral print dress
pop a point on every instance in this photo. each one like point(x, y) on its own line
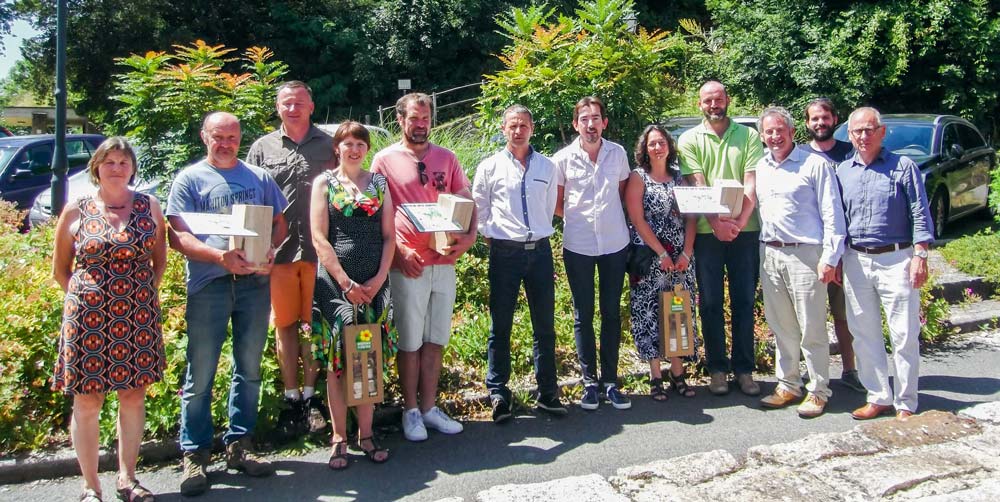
point(356, 235)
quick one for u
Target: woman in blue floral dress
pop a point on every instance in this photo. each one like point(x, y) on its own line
point(354, 244)
point(658, 224)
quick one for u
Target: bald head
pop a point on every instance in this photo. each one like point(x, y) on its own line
point(712, 86)
point(714, 102)
point(221, 134)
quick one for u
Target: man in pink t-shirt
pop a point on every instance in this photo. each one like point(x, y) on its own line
point(422, 280)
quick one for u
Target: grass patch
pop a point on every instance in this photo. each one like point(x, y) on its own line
point(977, 254)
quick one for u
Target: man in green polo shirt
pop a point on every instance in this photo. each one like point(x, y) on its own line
point(721, 149)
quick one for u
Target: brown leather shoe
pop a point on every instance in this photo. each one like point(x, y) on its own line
point(812, 406)
point(870, 411)
point(779, 399)
point(903, 415)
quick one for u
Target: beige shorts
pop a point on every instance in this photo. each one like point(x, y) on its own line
point(422, 307)
point(838, 305)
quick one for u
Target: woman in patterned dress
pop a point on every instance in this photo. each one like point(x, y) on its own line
point(354, 242)
point(658, 224)
point(110, 255)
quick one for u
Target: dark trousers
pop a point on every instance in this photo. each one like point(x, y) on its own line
point(740, 260)
point(510, 264)
point(611, 276)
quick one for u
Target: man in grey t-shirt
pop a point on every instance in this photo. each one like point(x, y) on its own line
point(222, 288)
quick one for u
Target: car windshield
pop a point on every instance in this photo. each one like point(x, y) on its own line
point(912, 140)
point(5, 155)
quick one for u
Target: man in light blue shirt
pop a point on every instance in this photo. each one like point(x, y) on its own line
point(515, 192)
point(802, 238)
point(889, 229)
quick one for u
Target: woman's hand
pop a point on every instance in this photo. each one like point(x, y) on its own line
point(682, 262)
point(666, 263)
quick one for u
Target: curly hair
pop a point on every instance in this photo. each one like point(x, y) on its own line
point(642, 152)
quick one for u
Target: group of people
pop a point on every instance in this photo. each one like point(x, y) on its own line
point(343, 253)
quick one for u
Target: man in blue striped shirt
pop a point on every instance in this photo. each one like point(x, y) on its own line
point(889, 229)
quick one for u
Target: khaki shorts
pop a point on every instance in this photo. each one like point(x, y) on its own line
point(292, 286)
point(422, 307)
point(838, 305)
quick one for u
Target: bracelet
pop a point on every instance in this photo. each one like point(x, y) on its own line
point(349, 288)
point(663, 254)
point(685, 255)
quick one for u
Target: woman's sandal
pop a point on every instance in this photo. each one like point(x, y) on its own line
point(135, 493)
point(339, 455)
point(89, 495)
point(679, 384)
point(372, 452)
point(656, 392)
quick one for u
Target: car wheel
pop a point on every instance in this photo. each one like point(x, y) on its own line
point(939, 213)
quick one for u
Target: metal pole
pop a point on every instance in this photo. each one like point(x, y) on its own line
point(59, 153)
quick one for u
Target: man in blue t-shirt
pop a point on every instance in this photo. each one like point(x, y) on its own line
point(222, 287)
point(821, 120)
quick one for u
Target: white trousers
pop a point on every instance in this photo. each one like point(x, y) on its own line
point(795, 308)
point(873, 282)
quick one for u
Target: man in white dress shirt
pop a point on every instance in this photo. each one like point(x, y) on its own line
point(593, 172)
point(802, 238)
point(515, 192)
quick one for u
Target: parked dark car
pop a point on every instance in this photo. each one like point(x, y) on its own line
point(26, 163)
point(953, 156)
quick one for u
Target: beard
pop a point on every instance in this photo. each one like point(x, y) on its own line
point(822, 135)
point(716, 117)
point(417, 137)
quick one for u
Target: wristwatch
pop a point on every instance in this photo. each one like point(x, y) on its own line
point(920, 253)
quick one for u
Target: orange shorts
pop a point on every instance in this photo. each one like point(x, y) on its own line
point(292, 286)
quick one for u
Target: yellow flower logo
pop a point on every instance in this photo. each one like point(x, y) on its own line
point(678, 300)
point(365, 336)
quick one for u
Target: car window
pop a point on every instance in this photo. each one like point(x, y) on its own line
point(949, 139)
point(77, 153)
point(913, 140)
point(969, 138)
point(39, 158)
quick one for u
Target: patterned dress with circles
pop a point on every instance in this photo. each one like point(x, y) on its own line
point(659, 207)
point(355, 232)
point(111, 337)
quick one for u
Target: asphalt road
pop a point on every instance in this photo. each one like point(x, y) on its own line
point(538, 448)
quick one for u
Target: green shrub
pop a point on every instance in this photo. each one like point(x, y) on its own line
point(977, 254)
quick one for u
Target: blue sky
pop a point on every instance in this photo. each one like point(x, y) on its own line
point(12, 45)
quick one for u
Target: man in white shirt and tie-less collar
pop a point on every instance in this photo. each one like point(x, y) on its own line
point(802, 238)
point(515, 192)
point(593, 173)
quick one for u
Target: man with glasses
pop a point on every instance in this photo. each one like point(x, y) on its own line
point(821, 120)
point(889, 229)
point(715, 150)
point(592, 176)
point(515, 191)
point(422, 280)
point(295, 154)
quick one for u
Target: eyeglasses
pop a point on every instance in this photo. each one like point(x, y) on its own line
point(863, 131)
point(424, 179)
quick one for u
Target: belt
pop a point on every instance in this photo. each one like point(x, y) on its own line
point(881, 249)
point(525, 245)
point(779, 244)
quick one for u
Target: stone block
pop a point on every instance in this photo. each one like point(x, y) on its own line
point(983, 412)
point(591, 488)
point(813, 449)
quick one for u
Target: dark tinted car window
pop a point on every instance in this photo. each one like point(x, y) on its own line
point(969, 138)
point(950, 138)
point(39, 158)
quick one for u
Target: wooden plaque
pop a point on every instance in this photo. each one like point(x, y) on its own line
point(362, 375)
point(676, 329)
point(259, 219)
point(459, 210)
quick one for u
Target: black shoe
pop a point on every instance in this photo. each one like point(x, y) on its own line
point(292, 420)
point(316, 414)
point(551, 404)
point(501, 410)
point(194, 480)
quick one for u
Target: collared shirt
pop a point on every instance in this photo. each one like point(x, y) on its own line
point(730, 157)
point(399, 166)
point(294, 166)
point(885, 202)
point(513, 202)
point(593, 215)
point(800, 203)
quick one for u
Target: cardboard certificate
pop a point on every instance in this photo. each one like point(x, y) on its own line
point(429, 217)
point(725, 198)
point(215, 224)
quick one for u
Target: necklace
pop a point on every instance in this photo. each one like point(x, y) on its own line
point(109, 206)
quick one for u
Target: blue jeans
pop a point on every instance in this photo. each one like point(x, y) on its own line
point(246, 300)
point(509, 265)
point(611, 277)
point(740, 259)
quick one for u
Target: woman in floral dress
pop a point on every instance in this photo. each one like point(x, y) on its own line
point(658, 224)
point(355, 244)
point(110, 255)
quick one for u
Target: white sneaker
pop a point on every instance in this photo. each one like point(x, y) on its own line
point(413, 425)
point(441, 422)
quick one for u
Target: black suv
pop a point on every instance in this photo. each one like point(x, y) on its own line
point(26, 163)
point(953, 156)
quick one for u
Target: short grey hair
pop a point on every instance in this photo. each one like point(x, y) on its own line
point(779, 111)
point(864, 109)
point(518, 109)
